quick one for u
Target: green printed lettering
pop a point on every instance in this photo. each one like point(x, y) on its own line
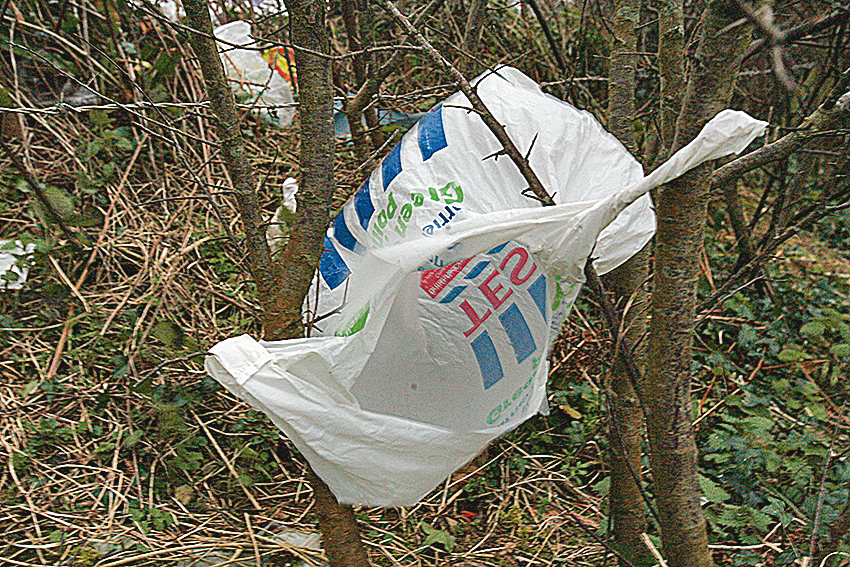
point(355, 325)
point(406, 212)
point(381, 221)
point(452, 193)
point(401, 228)
point(495, 414)
point(418, 199)
point(391, 206)
point(434, 195)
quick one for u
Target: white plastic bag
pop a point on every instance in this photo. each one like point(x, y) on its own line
point(14, 257)
point(451, 286)
point(249, 71)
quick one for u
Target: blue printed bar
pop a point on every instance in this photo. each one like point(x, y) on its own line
point(488, 359)
point(518, 332)
point(331, 266)
point(432, 135)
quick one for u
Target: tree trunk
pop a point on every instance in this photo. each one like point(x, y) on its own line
point(340, 535)
point(282, 285)
point(671, 40)
point(625, 433)
point(681, 207)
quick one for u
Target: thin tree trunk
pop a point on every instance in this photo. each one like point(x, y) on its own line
point(472, 35)
point(233, 152)
point(340, 534)
point(282, 285)
point(671, 39)
point(355, 116)
point(681, 207)
point(743, 236)
point(625, 433)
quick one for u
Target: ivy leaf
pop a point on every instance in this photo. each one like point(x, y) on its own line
point(712, 490)
point(437, 536)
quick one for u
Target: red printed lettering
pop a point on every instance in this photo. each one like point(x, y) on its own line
point(492, 294)
point(516, 279)
point(473, 316)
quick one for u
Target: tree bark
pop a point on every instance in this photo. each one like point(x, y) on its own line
point(340, 534)
point(625, 432)
point(233, 152)
point(282, 285)
point(671, 40)
point(681, 207)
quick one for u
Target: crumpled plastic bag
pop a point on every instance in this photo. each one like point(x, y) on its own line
point(265, 75)
point(450, 287)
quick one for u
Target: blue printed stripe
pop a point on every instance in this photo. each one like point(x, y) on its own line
point(453, 294)
point(498, 248)
point(537, 291)
point(518, 333)
point(363, 205)
point(341, 232)
point(391, 166)
point(332, 267)
point(432, 135)
point(479, 267)
point(488, 359)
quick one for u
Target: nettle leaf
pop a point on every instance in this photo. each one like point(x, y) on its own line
point(712, 490)
point(437, 536)
point(790, 355)
point(842, 349)
point(813, 329)
point(747, 335)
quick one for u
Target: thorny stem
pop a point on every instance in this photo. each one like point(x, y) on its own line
point(478, 105)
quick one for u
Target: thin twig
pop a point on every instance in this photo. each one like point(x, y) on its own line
point(813, 543)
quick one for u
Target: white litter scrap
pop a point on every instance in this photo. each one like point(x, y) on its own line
point(262, 74)
point(14, 256)
point(451, 286)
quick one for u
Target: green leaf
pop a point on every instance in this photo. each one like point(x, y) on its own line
point(712, 490)
point(59, 200)
point(437, 536)
point(790, 355)
point(6, 98)
point(29, 388)
point(133, 438)
point(88, 218)
point(746, 335)
point(841, 349)
point(813, 329)
point(170, 333)
point(124, 144)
